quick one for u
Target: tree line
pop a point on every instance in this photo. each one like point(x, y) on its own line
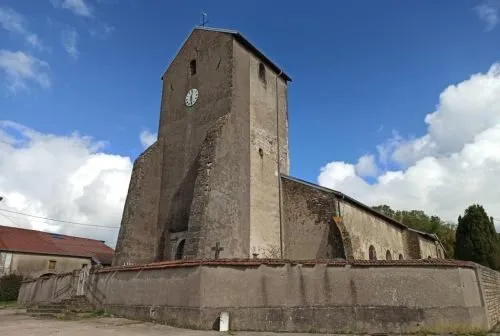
point(473, 237)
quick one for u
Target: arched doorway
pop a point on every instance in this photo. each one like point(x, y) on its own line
point(179, 253)
point(372, 253)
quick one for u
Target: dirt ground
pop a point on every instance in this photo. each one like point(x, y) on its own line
point(15, 322)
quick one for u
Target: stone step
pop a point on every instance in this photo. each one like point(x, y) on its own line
point(45, 311)
point(37, 314)
point(52, 306)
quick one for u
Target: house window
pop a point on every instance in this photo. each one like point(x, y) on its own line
point(262, 72)
point(192, 67)
point(372, 253)
point(52, 265)
point(388, 255)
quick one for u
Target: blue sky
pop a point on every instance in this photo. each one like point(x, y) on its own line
point(360, 69)
point(366, 76)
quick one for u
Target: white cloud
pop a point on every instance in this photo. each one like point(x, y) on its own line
point(456, 163)
point(147, 138)
point(69, 38)
point(78, 7)
point(14, 22)
point(488, 13)
point(20, 68)
point(366, 166)
point(84, 185)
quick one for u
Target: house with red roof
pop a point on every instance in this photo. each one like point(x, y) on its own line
point(35, 253)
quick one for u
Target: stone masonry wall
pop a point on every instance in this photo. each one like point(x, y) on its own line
point(308, 229)
point(187, 131)
point(268, 108)
point(136, 243)
point(490, 281)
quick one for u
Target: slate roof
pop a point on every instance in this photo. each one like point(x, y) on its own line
point(37, 242)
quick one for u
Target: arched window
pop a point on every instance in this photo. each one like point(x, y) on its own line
point(388, 255)
point(192, 67)
point(400, 256)
point(372, 253)
point(262, 72)
point(179, 253)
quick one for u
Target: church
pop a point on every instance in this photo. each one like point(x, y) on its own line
point(216, 183)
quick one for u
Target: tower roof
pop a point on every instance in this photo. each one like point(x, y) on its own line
point(247, 44)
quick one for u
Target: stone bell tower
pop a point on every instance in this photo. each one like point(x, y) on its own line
point(214, 172)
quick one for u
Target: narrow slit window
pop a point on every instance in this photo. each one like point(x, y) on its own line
point(262, 72)
point(192, 67)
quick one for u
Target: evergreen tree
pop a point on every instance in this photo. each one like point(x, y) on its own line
point(476, 238)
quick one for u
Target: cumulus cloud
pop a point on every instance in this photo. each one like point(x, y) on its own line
point(69, 38)
point(488, 13)
point(62, 177)
point(147, 138)
point(21, 68)
point(456, 163)
point(14, 22)
point(366, 165)
point(77, 7)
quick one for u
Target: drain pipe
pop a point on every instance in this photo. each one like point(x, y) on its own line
point(279, 162)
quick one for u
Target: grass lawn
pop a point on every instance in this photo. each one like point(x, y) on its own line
point(7, 304)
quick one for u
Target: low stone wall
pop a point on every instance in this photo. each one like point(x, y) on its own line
point(316, 296)
point(52, 288)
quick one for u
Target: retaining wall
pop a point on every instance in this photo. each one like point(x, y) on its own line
point(267, 295)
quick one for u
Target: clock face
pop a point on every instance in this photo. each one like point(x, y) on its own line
point(191, 97)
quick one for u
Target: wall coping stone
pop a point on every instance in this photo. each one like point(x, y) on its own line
point(441, 263)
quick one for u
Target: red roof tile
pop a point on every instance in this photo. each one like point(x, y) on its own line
point(31, 241)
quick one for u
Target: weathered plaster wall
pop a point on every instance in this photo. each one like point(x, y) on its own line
point(140, 214)
point(359, 297)
point(268, 107)
point(308, 230)
point(33, 265)
point(428, 248)
point(366, 229)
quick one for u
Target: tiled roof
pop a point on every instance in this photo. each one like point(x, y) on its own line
point(38, 242)
point(283, 262)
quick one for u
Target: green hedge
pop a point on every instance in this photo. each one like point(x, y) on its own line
point(9, 287)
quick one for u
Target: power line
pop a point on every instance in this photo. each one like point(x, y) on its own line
point(59, 220)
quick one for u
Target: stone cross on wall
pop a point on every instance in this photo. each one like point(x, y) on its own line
point(217, 250)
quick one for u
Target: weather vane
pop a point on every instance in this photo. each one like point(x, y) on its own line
point(204, 20)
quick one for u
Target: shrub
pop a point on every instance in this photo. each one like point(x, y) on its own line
point(9, 287)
